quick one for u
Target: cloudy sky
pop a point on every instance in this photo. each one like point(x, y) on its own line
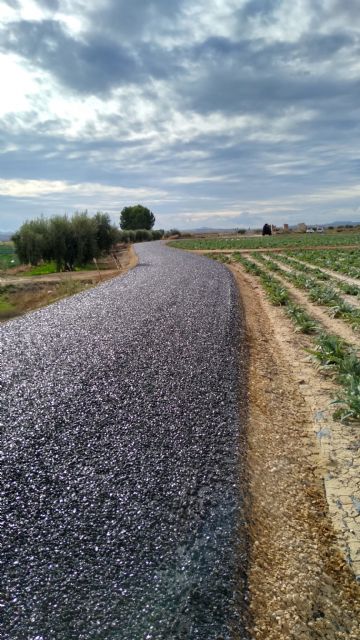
point(211, 112)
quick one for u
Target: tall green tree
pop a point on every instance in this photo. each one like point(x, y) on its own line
point(32, 241)
point(62, 242)
point(85, 232)
point(106, 233)
point(137, 217)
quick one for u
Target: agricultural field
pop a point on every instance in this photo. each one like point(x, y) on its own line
point(345, 262)
point(273, 242)
point(301, 289)
point(8, 257)
point(304, 309)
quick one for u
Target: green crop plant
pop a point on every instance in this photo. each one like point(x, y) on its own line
point(320, 294)
point(304, 268)
point(335, 355)
point(249, 266)
point(219, 257)
point(330, 350)
point(349, 401)
point(277, 294)
point(345, 287)
point(348, 288)
point(304, 323)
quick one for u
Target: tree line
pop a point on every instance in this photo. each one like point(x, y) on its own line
point(70, 242)
point(74, 241)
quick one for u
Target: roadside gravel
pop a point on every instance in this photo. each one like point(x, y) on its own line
point(122, 459)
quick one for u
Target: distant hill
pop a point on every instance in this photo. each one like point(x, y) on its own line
point(210, 230)
point(337, 223)
point(341, 223)
point(5, 235)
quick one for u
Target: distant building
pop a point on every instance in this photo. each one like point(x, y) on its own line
point(286, 227)
point(301, 227)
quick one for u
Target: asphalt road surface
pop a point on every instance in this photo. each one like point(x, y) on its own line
point(121, 418)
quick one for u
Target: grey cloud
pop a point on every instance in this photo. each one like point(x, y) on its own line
point(92, 66)
point(254, 76)
point(54, 5)
point(258, 7)
point(242, 75)
point(134, 20)
point(236, 92)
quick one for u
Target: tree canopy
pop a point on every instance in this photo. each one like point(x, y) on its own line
point(136, 217)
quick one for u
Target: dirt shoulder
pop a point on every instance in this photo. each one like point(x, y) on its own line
point(300, 584)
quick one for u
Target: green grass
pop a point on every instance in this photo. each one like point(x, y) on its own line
point(41, 269)
point(50, 267)
point(5, 305)
point(8, 257)
point(260, 242)
point(7, 310)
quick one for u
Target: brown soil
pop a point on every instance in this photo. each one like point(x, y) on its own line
point(300, 585)
point(33, 292)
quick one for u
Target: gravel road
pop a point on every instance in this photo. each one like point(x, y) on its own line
point(122, 459)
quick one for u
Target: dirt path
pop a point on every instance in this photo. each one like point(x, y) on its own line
point(126, 261)
point(301, 587)
point(53, 278)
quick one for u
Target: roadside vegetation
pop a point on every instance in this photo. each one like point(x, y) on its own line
point(68, 242)
point(64, 243)
point(51, 258)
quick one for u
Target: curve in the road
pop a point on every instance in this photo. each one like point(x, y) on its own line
point(122, 459)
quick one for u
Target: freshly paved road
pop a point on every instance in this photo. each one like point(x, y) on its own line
point(122, 459)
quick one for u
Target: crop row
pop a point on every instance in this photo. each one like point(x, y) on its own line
point(314, 272)
point(318, 293)
point(345, 262)
point(333, 354)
